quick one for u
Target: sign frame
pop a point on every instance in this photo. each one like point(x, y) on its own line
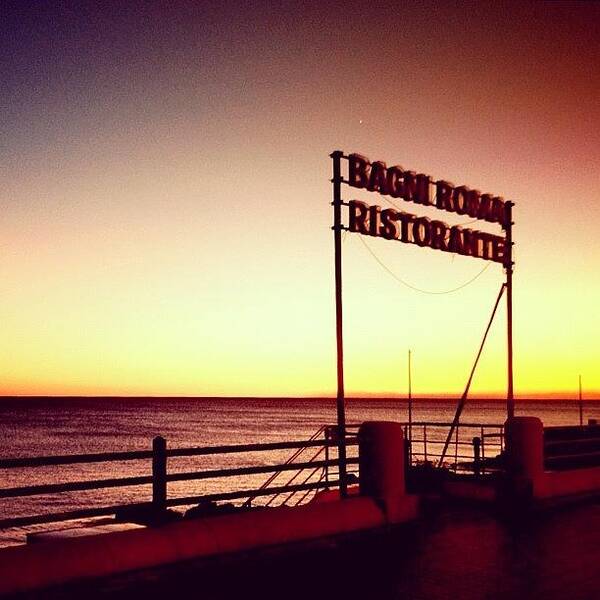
point(380, 184)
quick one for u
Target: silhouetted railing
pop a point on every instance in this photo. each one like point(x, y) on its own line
point(572, 447)
point(309, 468)
point(473, 446)
point(330, 432)
point(160, 477)
point(313, 466)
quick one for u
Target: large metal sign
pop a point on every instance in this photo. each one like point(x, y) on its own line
point(396, 224)
point(419, 188)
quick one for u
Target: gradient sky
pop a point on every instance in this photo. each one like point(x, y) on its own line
point(165, 194)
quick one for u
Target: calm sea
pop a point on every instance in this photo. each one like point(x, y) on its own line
point(45, 426)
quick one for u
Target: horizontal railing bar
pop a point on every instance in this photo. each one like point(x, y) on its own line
point(450, 460)
point(85, 513)
point(435, 424)
point(441, 438)
point(448, 424)
point(36, 461)
point(569, 427)
point(255, 470)
point(207, 450)
point(110, 510)
point(574, 441)
point(440, 442)
point(437, 445)
point(65, 459)
point(73, 486)
point(454, 443)
point(559, 457)
point(450, 456)
point(69, 459)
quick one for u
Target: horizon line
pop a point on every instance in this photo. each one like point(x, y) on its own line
point(490, 398)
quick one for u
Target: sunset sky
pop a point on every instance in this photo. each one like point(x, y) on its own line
point(166, 218)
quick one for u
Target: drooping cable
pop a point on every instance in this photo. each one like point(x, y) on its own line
point(412, 287)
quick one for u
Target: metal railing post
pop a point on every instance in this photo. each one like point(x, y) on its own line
point(477, 455)
point(159, 473)
point(326, 434)
point(456, 448)
point(482, 454)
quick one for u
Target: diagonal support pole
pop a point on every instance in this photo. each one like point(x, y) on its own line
point(463, 398)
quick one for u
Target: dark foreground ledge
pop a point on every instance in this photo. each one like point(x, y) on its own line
point(450, 553)
point(58, 563)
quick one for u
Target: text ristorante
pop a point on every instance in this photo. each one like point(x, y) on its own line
point(393, 224)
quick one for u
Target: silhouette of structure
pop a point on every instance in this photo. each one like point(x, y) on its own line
point(395, 224)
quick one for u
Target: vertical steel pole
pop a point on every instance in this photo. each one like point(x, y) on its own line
point(580, 404)
point(508, 267)
point(409, 404)
point(337, 238)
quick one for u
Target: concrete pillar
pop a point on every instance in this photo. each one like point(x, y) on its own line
point(525, 447)
point(381, 460)
point(524, 458)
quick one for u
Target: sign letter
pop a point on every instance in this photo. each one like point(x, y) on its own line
point(358, 171)
point(359, 211)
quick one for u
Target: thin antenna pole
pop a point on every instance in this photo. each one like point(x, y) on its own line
point(337, 238)
point(409, 399)
point(580, 404)
point(508, 266)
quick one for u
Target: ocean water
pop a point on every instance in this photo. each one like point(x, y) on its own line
point(46, 426)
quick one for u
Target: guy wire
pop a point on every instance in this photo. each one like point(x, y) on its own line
point(412, 287)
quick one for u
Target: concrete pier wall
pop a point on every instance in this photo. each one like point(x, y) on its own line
point(525, 463)
point(41, 565)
